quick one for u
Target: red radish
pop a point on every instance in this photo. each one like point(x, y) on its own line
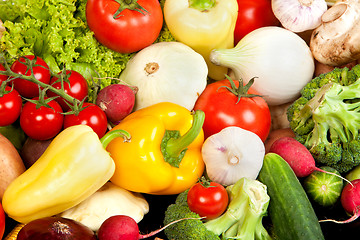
point(297, 156)
point(350, 201)
point(122, 227)
point(119, 227)
point(117, 101)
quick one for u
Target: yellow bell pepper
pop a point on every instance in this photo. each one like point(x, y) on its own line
point(73, 167)
point(164, 154)
point(203, 25)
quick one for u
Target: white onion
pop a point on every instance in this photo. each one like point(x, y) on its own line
point(231, 154)
point(280, 60)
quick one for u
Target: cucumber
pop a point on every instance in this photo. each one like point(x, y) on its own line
point(290, 210)
point(324, 188)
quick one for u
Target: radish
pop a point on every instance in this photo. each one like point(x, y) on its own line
point(297, 156)
point(117, 101)
point(122, 227)
point(350, 201)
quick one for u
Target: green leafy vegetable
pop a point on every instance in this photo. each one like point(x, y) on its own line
point(326, 118)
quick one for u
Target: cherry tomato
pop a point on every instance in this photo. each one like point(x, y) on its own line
point(253, 14)
point(222, 110)
point(92, 116)
point(10, 106)
point(2, 77)
point(76, 86)
point(131, 30)
point(208, 201)
point(24, 87)
point(41, 123)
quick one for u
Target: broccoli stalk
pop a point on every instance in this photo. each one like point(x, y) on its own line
point(242, 219)
point(326, 118)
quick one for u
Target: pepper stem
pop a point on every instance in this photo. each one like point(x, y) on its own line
point(109, 136)
point(202, 5)
point(176, 145)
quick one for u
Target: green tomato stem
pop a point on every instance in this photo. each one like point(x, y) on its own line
point(128, 4)
point(12, 75)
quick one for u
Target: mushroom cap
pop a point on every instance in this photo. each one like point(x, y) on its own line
point(337, 40)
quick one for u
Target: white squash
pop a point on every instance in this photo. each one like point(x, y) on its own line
point(108, 201)
point(166, 72)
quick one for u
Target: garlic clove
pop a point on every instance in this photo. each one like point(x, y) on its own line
point(299, 15)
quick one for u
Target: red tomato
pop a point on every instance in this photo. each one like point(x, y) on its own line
point(2, 77)
point(24, 87)
point(76, 86)
point(92, 116)
point(41, 123)
point(222, 110)
point(10, 107)
point(253, 14)
point(131, 30)
point(210, 201)
point(2, 221)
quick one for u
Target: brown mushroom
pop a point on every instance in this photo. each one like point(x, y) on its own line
point(336, 41)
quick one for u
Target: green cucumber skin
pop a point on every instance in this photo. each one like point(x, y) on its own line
point(290, 210)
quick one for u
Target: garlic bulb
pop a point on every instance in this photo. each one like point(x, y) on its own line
point(299, 15)
point(231, 154)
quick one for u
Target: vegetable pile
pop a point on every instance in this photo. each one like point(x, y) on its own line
point(57, 31)
point(216, 119)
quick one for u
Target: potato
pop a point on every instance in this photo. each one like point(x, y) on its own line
point(11, 164)
point(276, 134)
point(32, 150)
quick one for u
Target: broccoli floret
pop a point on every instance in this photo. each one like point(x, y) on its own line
point(242, 219)
point(326, 118)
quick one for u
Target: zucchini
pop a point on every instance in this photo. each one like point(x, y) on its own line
point(290, 210)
